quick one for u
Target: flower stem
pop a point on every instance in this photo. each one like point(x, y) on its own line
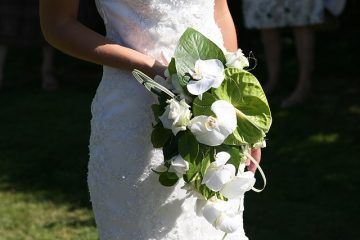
point(240, 114)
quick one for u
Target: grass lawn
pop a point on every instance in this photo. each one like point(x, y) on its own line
point(312, 159)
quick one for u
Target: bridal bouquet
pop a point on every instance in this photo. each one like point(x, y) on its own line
point(209, 115)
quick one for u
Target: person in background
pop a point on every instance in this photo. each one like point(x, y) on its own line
point(270, 16)
point(19, 27)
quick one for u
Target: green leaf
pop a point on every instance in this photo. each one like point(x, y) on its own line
point(191, 150)
point(168, 179)
point(193, 46)
point(198, 155)
point(170, 148)
point(244, 92)
point(160, 136)
point(203, 107)
point(191, 173)
point(204, 165)
point(172, 67)
point(157, 111)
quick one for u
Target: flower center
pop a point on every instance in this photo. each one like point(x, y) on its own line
point(211, 123)
point(197, 75)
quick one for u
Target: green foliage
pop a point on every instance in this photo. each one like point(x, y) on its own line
point(168, 179)
point(198, 155)
point(244, 92)
point(160, 136)
point(203, 106)
point(193, 46)
point(157, 111)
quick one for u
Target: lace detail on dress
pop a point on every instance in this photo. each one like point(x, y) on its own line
point(153, 27)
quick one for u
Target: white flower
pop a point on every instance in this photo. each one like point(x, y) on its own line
point(208, 74)
point(179, 166)
point(236, 59)
point(240, 184)
point(199, 206)
point(176, 116)
point(213, 131)
point(222, 215)
point(220, 177)
point(219, 173)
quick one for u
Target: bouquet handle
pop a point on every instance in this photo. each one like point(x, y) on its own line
point(150, 84)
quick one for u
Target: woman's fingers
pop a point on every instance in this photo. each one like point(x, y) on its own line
point(256, 154)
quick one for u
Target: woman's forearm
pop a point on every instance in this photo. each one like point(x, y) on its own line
point(226, 24)
point(62, 30)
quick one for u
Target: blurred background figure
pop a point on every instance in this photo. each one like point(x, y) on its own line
point(19, 27)
point(270, 16)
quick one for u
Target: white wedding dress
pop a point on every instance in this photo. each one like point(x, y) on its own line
point(128, 201)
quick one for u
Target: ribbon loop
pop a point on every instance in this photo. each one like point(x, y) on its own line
point(260, 170)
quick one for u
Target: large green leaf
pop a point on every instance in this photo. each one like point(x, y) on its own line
point(193, 46)
point(245, 93)
point(203, 106)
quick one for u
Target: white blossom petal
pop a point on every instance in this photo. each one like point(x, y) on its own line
point(213, 209)
point(199, 207)
point(236, 59)
point(213, 131)
point(164, 118)
point(179, 165)
point(216, 179)
point(226, 116)
point(222, 157)
point(229, 224)
point(206, 132)
point(176, 116)
point(219, 173)
point(208, 74)
point(238, 185)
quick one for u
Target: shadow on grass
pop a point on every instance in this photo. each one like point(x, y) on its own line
point(44, 140)
point(312, 168)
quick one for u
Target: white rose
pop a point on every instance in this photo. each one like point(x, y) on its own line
point(179, 166)
point(176, 116)
point(213, 131)
point(236, 59)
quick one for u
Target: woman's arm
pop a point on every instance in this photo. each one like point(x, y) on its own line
point(226, 24)
point(62, 30)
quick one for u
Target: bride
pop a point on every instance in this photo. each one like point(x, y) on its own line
point(127, 199)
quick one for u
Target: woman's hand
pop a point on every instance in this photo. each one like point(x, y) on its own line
point(157, 69)
point(256, 154)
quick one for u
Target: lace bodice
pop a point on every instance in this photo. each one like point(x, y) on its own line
point(153, 27)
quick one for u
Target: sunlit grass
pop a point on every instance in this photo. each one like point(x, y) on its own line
point(28, 216)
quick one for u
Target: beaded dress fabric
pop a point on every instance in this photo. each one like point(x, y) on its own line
point(128, 201)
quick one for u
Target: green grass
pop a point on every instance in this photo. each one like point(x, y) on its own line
point(311, 162)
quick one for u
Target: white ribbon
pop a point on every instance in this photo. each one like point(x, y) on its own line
point(260, 170)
